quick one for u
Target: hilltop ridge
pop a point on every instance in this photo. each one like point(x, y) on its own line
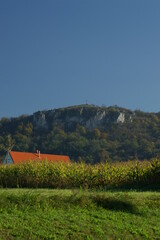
point(89, 116)
point(86, 132)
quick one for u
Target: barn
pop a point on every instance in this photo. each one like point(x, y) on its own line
point(13, 157)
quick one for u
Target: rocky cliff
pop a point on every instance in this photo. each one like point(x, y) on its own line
point(89, 116)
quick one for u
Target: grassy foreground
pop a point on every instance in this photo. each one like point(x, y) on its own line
point(76, 214)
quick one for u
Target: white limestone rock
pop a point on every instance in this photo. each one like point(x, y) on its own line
point(95, 121)
point(121, 118)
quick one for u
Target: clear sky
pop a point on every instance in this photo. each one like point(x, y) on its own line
point(57, 53)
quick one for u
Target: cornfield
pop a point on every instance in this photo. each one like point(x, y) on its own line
point(46, 174)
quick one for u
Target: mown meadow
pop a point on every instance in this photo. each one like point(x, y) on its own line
point(78, 214)
point(44, 174)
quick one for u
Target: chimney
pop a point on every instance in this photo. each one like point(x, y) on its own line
point(39, 154)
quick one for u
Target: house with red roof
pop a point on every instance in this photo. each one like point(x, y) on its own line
point(13, 157)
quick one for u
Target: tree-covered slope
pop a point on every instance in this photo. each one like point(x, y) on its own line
point(86, 132)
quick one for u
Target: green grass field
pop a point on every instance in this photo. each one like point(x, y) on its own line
point(78, 214)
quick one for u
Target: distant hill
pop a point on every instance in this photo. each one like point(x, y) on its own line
point(86, 133)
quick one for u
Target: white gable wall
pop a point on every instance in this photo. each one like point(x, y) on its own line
point(7, 159)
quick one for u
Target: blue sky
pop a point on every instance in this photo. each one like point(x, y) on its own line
point(58, 53)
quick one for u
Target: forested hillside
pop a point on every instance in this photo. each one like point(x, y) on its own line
point(86, 133)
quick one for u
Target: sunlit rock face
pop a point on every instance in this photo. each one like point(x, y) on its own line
point(121, 118)
point(89, 116)
point(96, 121)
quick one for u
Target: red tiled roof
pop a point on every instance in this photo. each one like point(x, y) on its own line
point(19, 157)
